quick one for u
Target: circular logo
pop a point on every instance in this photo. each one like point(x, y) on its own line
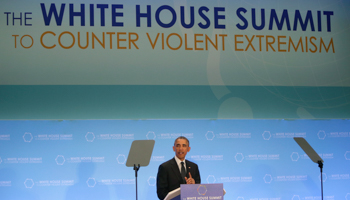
point(202, 190)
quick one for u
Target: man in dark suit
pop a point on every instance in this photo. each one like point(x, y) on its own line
point(177, 170)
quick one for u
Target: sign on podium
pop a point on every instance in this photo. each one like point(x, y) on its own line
point(197, 192)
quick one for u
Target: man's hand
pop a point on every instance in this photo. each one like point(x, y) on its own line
point(190, 180)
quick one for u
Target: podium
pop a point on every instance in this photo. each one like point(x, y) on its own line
point(201, 190)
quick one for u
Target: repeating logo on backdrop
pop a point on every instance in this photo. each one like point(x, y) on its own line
point(150, 135)
point(90, 136)
point(210, 135)
point(29, 183)
point(266, 135)
point(295, 197)
point(168, 135)
point(91, 182)
point(5, 137)
point(332, 134)
point(211, 179)
point(294, 156)
point(347, 155)
point(321, 135)
point(267, 178)
point(121, 159)
point(60, 160)
point(347, 197)
point(151, 181)
point(239, 157)
point(27, 137)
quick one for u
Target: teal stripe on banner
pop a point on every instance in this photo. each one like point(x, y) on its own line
point(172, 102)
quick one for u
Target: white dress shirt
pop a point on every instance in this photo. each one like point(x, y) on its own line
point(178, 161)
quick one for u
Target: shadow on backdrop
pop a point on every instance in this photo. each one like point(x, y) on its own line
point(87, 187)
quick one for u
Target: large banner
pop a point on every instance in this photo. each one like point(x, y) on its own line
point(254, 159)
point(249, 43)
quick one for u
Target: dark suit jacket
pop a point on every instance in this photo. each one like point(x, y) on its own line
point(169, 177)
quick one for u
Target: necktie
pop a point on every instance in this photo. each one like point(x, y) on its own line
point(183, 172)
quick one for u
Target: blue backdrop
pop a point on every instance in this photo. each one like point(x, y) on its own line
point(254, 159)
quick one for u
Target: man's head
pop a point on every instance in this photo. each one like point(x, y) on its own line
point(181, 147)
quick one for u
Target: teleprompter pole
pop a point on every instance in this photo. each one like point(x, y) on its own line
point(312, 155)
point(320, 165)
point(136, 170)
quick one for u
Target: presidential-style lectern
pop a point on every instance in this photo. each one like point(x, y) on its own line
point(200, 191)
